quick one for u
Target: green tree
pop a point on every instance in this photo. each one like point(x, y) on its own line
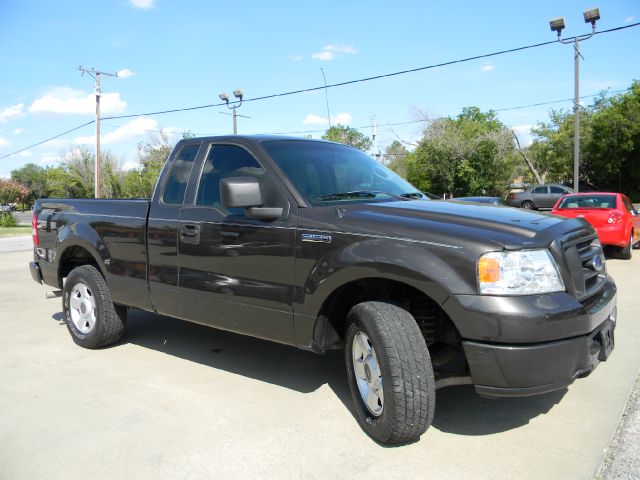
point(348, 136)
point(152, 155)
point(397, 158)
point(59, 184)
point(551, 151)
point(469, 154)
point(34, 178)
point(611, 154)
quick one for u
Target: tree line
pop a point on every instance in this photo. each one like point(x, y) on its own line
point(472, 153)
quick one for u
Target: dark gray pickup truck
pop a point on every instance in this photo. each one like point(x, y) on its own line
point(314, 244)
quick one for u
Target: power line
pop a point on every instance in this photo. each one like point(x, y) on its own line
point(407, 122)
point(48, 139)
point(334, 85)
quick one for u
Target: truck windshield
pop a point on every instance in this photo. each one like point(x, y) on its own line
point(328, 172)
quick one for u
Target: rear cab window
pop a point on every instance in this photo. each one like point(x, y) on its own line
point(178, 178)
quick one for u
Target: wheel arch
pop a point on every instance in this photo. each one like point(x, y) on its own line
point(330, 324)
point(80, 246)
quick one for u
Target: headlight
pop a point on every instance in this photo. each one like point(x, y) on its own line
point(524, 272)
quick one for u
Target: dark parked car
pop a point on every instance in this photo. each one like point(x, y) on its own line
point(317, 245)
point(489, 200)
point(538, 196)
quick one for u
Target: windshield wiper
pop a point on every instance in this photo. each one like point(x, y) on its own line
point(358, 194)
point(412, 195)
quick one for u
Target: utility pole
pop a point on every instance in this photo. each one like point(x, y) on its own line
point(96, 75)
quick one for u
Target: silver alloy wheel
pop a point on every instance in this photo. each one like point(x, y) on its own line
point(367, 373)
point(82, 308)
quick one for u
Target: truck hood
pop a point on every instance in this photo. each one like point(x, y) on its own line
point(506, 226)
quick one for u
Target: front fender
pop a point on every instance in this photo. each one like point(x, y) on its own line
point(437, 271)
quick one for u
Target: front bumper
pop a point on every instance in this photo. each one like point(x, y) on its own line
point(519, 346)
point(515, 371)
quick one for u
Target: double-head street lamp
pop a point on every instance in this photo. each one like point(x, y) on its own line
point(557, 25)
point(234, 106)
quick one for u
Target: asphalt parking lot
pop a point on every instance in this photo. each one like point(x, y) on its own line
point(176, 400)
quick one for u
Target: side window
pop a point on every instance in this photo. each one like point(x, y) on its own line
point(628, 205)
point(225, 161)
point(540, 190)
point(558, 190)
point(178, 178)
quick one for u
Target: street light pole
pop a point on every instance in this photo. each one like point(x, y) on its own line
point(576, 117)
point(557, 25)
point(235, 121)
point(225, 98)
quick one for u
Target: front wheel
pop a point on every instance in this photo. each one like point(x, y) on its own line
point(389, 372)
point(92, 319)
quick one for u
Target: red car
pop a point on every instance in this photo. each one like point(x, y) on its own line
point(611, 214)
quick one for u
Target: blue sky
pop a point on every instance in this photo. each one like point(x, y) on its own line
point(182, 54)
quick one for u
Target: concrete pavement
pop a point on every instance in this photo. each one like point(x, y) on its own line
point(176, 400)
point(16, 244)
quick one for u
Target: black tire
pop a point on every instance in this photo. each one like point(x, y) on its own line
point(626, 252)
point(528, 205)
point(408, 385)
point(108, 320)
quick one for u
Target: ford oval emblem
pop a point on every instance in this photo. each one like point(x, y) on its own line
point(598, 263)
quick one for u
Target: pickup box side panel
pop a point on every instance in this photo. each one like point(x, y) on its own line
point(113, 232)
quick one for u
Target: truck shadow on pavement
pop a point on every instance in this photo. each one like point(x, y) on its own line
point(459, 410)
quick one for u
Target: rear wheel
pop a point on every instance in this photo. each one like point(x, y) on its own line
point(92, 318)
point(528, 204)
point(389, 372)
point(626, 252)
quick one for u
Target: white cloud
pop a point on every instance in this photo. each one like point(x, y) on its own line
point(3, 142)
point(130, 165)
point(143, 4)
point(11, 112)
point(49, 159)
point(135, 128)
point(125, 73)
point(312, 119)
point(524, 134)
point(67, 100)
point(342, 118)
point(522, 128)
point(629, 19)
point(487, 67)
point(331, 52)
point(18, 131)
point(25, 153)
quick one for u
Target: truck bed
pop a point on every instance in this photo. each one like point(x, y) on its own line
point(113, 229)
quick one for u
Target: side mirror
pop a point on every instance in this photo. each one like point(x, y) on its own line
point(244, 192)
point(634, 212)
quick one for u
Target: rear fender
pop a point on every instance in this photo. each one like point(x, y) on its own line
point(82, 235)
